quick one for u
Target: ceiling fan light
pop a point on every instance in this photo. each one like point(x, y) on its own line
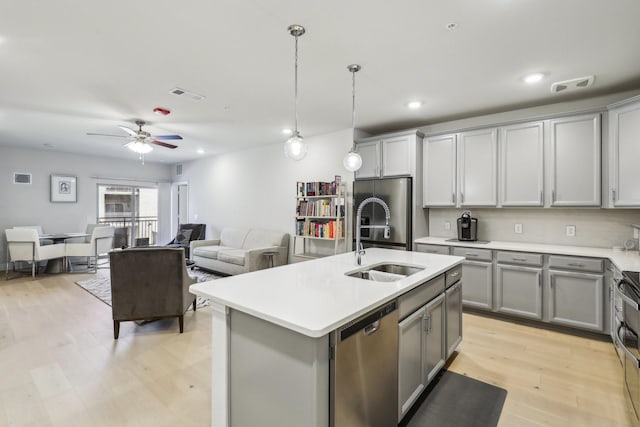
point(295, 148)
point(139, 147)
point(352, 161)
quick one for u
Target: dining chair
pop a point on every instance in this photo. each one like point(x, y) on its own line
point(99, 243)
point(40, 231)
point(23, 244)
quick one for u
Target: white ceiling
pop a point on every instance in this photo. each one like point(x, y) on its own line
point(69, 67)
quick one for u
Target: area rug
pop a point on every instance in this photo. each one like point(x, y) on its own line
point(454, 400)
point(100, 285)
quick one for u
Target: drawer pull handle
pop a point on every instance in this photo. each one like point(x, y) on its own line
point(470, 254)
point(576, 264)
point(519, 259)
point(454, 274)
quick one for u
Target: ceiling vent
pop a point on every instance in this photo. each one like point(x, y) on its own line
point(185, 93)
point(178, 170)
point(22, 178)
point(573, 84)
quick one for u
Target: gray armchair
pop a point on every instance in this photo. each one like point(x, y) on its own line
point(149, 283)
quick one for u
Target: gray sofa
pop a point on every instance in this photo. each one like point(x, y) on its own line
point(241, 250)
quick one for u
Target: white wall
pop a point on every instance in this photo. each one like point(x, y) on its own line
point(257, 187)
point(31, 205)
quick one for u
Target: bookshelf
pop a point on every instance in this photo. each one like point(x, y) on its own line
point(320, 221)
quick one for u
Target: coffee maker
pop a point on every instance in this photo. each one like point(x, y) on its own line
point(467, 227)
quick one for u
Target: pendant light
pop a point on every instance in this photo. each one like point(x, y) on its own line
point(352, 161)
point(295, 148)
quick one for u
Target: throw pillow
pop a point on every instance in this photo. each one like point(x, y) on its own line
point(183, 237)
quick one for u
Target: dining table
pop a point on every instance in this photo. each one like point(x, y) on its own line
point(57, 265)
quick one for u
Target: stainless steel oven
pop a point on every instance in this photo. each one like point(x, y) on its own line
point(628, 290)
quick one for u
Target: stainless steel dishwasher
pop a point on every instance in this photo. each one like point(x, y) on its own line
point(364, 371)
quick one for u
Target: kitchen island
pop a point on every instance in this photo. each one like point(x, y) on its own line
point(271, 329)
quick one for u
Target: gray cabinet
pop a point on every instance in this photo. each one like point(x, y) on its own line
point(521, 164)
point(478, 167)
point(389, 155)
point(624, 135)
point(411, 380)
point(432, 249)
point(576, 299)
point(477, 271)
point(453, 309)
point(434, 329)
point(439, 166)
point(519, 291)
point(575, 145)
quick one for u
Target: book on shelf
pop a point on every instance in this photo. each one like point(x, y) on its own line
point(318, 188)
point(325, 230)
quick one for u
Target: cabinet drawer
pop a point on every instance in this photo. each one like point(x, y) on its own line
point(432, 249)
point(453, 275)
point(419, 296)
point(576, 264)
point(473, 254)
point(519, 258)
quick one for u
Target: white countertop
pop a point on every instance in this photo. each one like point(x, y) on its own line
point(315, 297)
point(624, 260)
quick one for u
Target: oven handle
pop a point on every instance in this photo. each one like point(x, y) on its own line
point(625, 298)
point(630, 355)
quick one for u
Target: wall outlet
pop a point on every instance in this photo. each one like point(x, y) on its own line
point(195, 217)
point(635, 233)
point(447, 225)
point(517, 228)
point(571, 230)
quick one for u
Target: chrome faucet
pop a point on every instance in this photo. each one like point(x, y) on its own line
point(359, 250)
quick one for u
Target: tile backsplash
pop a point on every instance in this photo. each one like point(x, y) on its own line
point(593, 227)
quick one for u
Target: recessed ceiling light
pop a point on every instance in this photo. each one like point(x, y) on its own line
point(414, 105)
point(200, 151)
point(287, 131)
point(533, 78)
point(451, 26)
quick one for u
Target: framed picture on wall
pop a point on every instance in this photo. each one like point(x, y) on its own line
point(64, 188)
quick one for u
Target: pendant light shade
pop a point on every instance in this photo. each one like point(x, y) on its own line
point(352, 161)
point(295, 148)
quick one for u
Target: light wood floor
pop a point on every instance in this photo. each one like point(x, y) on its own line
point(60, 366)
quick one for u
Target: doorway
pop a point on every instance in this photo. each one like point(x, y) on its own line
point(133, 211)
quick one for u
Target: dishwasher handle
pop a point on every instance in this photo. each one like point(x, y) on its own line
point(368, 324)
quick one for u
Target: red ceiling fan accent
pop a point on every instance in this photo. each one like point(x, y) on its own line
point(161, 111)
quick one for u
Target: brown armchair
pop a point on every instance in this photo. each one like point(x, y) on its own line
point(149, 283)
point(186, 234)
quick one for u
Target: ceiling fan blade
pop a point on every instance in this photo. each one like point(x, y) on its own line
point(129, 131)
point(167, 136)
point(163, 144)
point(105, 134)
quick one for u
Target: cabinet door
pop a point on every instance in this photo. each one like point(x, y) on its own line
point(478, 284)
point(410, 369)
point(397, 156)
point(576, 299)
point(453, 298)
point(439, 162)
point(477, 167)
point(519, 291)
point(575, 161)
point(370, 153)
point(624, 129)
point(434, 345)
point(521, 164)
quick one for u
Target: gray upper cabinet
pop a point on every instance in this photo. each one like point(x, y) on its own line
point(387, 156)
point(371, 159)
point(439, 163)
point(477, 167)
point(574, 160)
point(521, 164)
point(624, 140)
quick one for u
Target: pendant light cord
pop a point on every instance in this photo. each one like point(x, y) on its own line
point(295, 104)
point(353, 107)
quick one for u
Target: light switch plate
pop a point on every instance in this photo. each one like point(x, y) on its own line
point(447, 225)
point(571, 230)
point(517, 228)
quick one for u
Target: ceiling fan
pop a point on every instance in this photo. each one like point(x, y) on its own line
point(139, 140)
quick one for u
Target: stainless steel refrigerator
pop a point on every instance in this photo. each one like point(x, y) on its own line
point(396, 192)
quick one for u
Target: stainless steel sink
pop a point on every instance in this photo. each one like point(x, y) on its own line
point(385, 272)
